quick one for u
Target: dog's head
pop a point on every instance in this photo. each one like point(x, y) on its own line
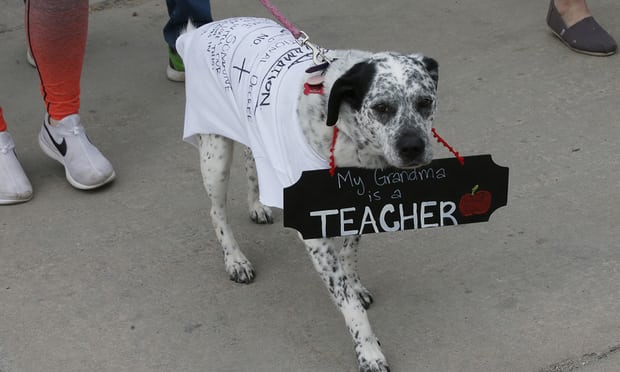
point(390, 99)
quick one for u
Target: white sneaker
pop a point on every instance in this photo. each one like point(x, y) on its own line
point(175, 75)
point(14, 185)
point(85, 167)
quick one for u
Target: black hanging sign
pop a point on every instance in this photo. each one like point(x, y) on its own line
point(363, 201)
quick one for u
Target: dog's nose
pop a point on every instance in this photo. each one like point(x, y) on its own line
point(410, 147)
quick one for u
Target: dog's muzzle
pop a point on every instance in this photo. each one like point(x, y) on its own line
point(411, 149)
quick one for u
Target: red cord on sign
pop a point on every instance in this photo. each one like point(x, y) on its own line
point(450, 148)
point(332, 158)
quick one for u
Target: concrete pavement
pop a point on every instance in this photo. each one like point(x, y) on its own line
point(130, 278)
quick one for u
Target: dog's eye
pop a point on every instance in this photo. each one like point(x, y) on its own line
point(424, 103)
point(384, 108)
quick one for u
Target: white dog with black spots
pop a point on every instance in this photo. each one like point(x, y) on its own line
point(244, 83)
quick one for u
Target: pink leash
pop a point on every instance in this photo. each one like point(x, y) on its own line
point(282, 19)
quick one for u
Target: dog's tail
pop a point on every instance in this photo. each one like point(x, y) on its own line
point(180, 40)
point(190, 27)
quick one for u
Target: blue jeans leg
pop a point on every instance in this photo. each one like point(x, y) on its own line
point(180, 12)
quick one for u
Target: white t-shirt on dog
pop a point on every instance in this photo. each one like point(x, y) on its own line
point(242, 80)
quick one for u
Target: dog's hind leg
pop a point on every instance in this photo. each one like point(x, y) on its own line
point(216, 153)
point(259, 212)
point(329, 267)
point(348, 260)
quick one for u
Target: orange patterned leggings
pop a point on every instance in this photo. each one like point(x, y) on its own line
point(56, 33)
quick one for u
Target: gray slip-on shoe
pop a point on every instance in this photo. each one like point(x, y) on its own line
point(586, 36)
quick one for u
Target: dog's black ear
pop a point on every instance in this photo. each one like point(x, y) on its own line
point(351, 88)
point(432, 67)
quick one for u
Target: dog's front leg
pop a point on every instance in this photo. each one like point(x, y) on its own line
point(216, 153)
point(326, 262)
point(348, 260)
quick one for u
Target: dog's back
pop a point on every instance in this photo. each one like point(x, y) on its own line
point(243, 77)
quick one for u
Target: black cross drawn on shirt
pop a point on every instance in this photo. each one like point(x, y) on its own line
point(241, 69)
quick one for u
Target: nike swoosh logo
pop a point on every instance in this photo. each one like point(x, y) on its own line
point(61, 147)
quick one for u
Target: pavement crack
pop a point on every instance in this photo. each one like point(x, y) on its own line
point(571, 364)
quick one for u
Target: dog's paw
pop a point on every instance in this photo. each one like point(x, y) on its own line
point(261, 214)
point(365, 296)
point(241, 271)
point(374, 366)
point(369, 356)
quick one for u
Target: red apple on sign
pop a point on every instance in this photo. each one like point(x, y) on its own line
point(476, 202)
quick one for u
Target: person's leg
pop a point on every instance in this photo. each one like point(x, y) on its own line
point(14, 185)
point(180, 12)
point(56, 32)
